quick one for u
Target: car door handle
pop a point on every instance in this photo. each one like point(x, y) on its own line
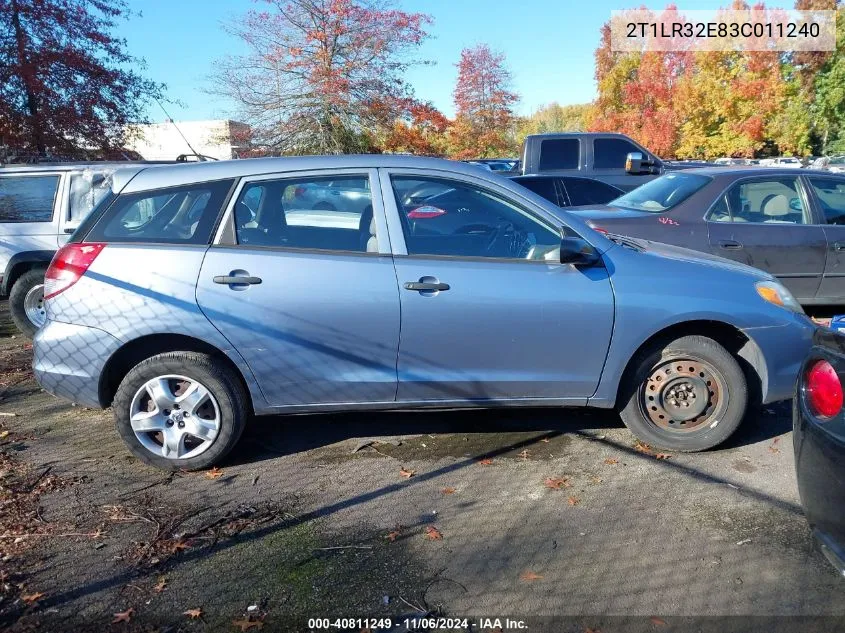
point(422, 286)
point(69, 231)
point(231, 280)
point(730, 245)
point(839, 246)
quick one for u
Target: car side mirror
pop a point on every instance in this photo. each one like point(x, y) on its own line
point(577, 251)
point(637, 164)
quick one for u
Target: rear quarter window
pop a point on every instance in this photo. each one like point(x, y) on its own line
point(27, 198)
point(177, 215)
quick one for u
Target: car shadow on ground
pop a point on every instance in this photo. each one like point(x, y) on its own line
point(498, 431)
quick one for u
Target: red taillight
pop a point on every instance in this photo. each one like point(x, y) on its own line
point(68, 265)
point(425, 212)
point(599, 229)
point(823, 389)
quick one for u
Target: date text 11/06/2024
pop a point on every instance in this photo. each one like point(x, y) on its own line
point(421, 624)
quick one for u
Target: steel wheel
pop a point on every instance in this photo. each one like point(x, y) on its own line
point(684, 395)
point(33, 305)
point(174, 417)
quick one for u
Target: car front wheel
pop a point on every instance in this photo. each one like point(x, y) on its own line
point(180, 410)
point(688, 395)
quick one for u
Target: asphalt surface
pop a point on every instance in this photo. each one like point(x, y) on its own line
point(315, 516)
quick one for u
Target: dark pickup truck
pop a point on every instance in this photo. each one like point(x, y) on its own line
point(612, 158)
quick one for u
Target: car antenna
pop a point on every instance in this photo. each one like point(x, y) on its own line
point(170, 120)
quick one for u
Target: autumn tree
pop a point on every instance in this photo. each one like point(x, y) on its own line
point(484, 102)
point(637, 89)
point(828, 90)
point(553, 118)
point(421, 130)
point(321, 75)
point(67, 85)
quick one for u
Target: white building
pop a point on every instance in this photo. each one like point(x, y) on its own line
point(218, 138)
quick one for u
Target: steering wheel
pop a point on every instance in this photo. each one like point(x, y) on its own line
point(504, 231)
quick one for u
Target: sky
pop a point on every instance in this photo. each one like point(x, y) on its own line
point(548, 44)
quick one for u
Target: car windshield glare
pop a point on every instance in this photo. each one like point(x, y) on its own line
point(662, 193)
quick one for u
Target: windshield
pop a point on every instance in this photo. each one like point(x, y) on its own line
point(837, 160)
point(662, 193)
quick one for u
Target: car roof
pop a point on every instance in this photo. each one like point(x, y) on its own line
point(745, 170)
point(156, 177)
point(16, 168)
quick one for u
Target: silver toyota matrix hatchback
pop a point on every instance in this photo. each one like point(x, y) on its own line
point(194, 296)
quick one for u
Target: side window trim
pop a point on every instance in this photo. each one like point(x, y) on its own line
point(226, 234)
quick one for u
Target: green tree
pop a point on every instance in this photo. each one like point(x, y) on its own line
point(828, 108)
point(553, 118)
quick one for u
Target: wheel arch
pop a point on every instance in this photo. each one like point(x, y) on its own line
point(734, 340)
point(20, 263)
point(144, 347)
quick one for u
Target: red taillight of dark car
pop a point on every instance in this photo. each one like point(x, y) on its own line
point(425, 212)
point(68, 265)
point(823, 389)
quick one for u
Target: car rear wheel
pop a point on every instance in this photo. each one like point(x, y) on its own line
point(688, 395)
point(26, 302)
point(180, 410)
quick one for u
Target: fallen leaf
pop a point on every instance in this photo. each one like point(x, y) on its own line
point(775, 441)
point(123, 617)
point(31, 598)
point(432, 533)
point(160, 585)
point(4, 434)
point(485, 462)
point(589, 630)
point(658, 622)
point(528, 576)
point(610, 461)
point(214, 473)
point(525, 454)
point(773, 448)
point(596, 480)
point(193, 613)
point(663, 456)
point(448, 491)
point(641, 447)
point(178, 546)
point(392, 536)
point(545, 440)
point(407, 474)
point(557, 483)
point(246, 625)
point(573, 501)
point(27, 345)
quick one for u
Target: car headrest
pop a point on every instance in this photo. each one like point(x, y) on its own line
point(776, 206)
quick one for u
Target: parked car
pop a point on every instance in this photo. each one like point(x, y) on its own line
point(835, 164)
point(40, 206)
point(188, 322)
point(569, 191)
point(730, 161)
point(784, 162)
point(788, 223)
point(612, 158)
point(819, 441)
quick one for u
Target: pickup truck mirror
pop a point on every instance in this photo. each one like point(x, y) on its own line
point(576, 250)
point(637, 164)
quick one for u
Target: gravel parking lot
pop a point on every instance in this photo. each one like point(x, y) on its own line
point(514, 513)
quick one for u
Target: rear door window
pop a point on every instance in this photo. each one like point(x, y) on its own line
point(560, 153)
point(611, 153)
point(333, 214)
point(586, 191)
point(544, 187)
point(177, 215)
point(27, 198)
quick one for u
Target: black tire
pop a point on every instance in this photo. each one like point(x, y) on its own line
point(729, 400)
point(20, 288)
point(215, 376)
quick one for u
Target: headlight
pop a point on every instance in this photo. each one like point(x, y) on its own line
point(773, 292)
